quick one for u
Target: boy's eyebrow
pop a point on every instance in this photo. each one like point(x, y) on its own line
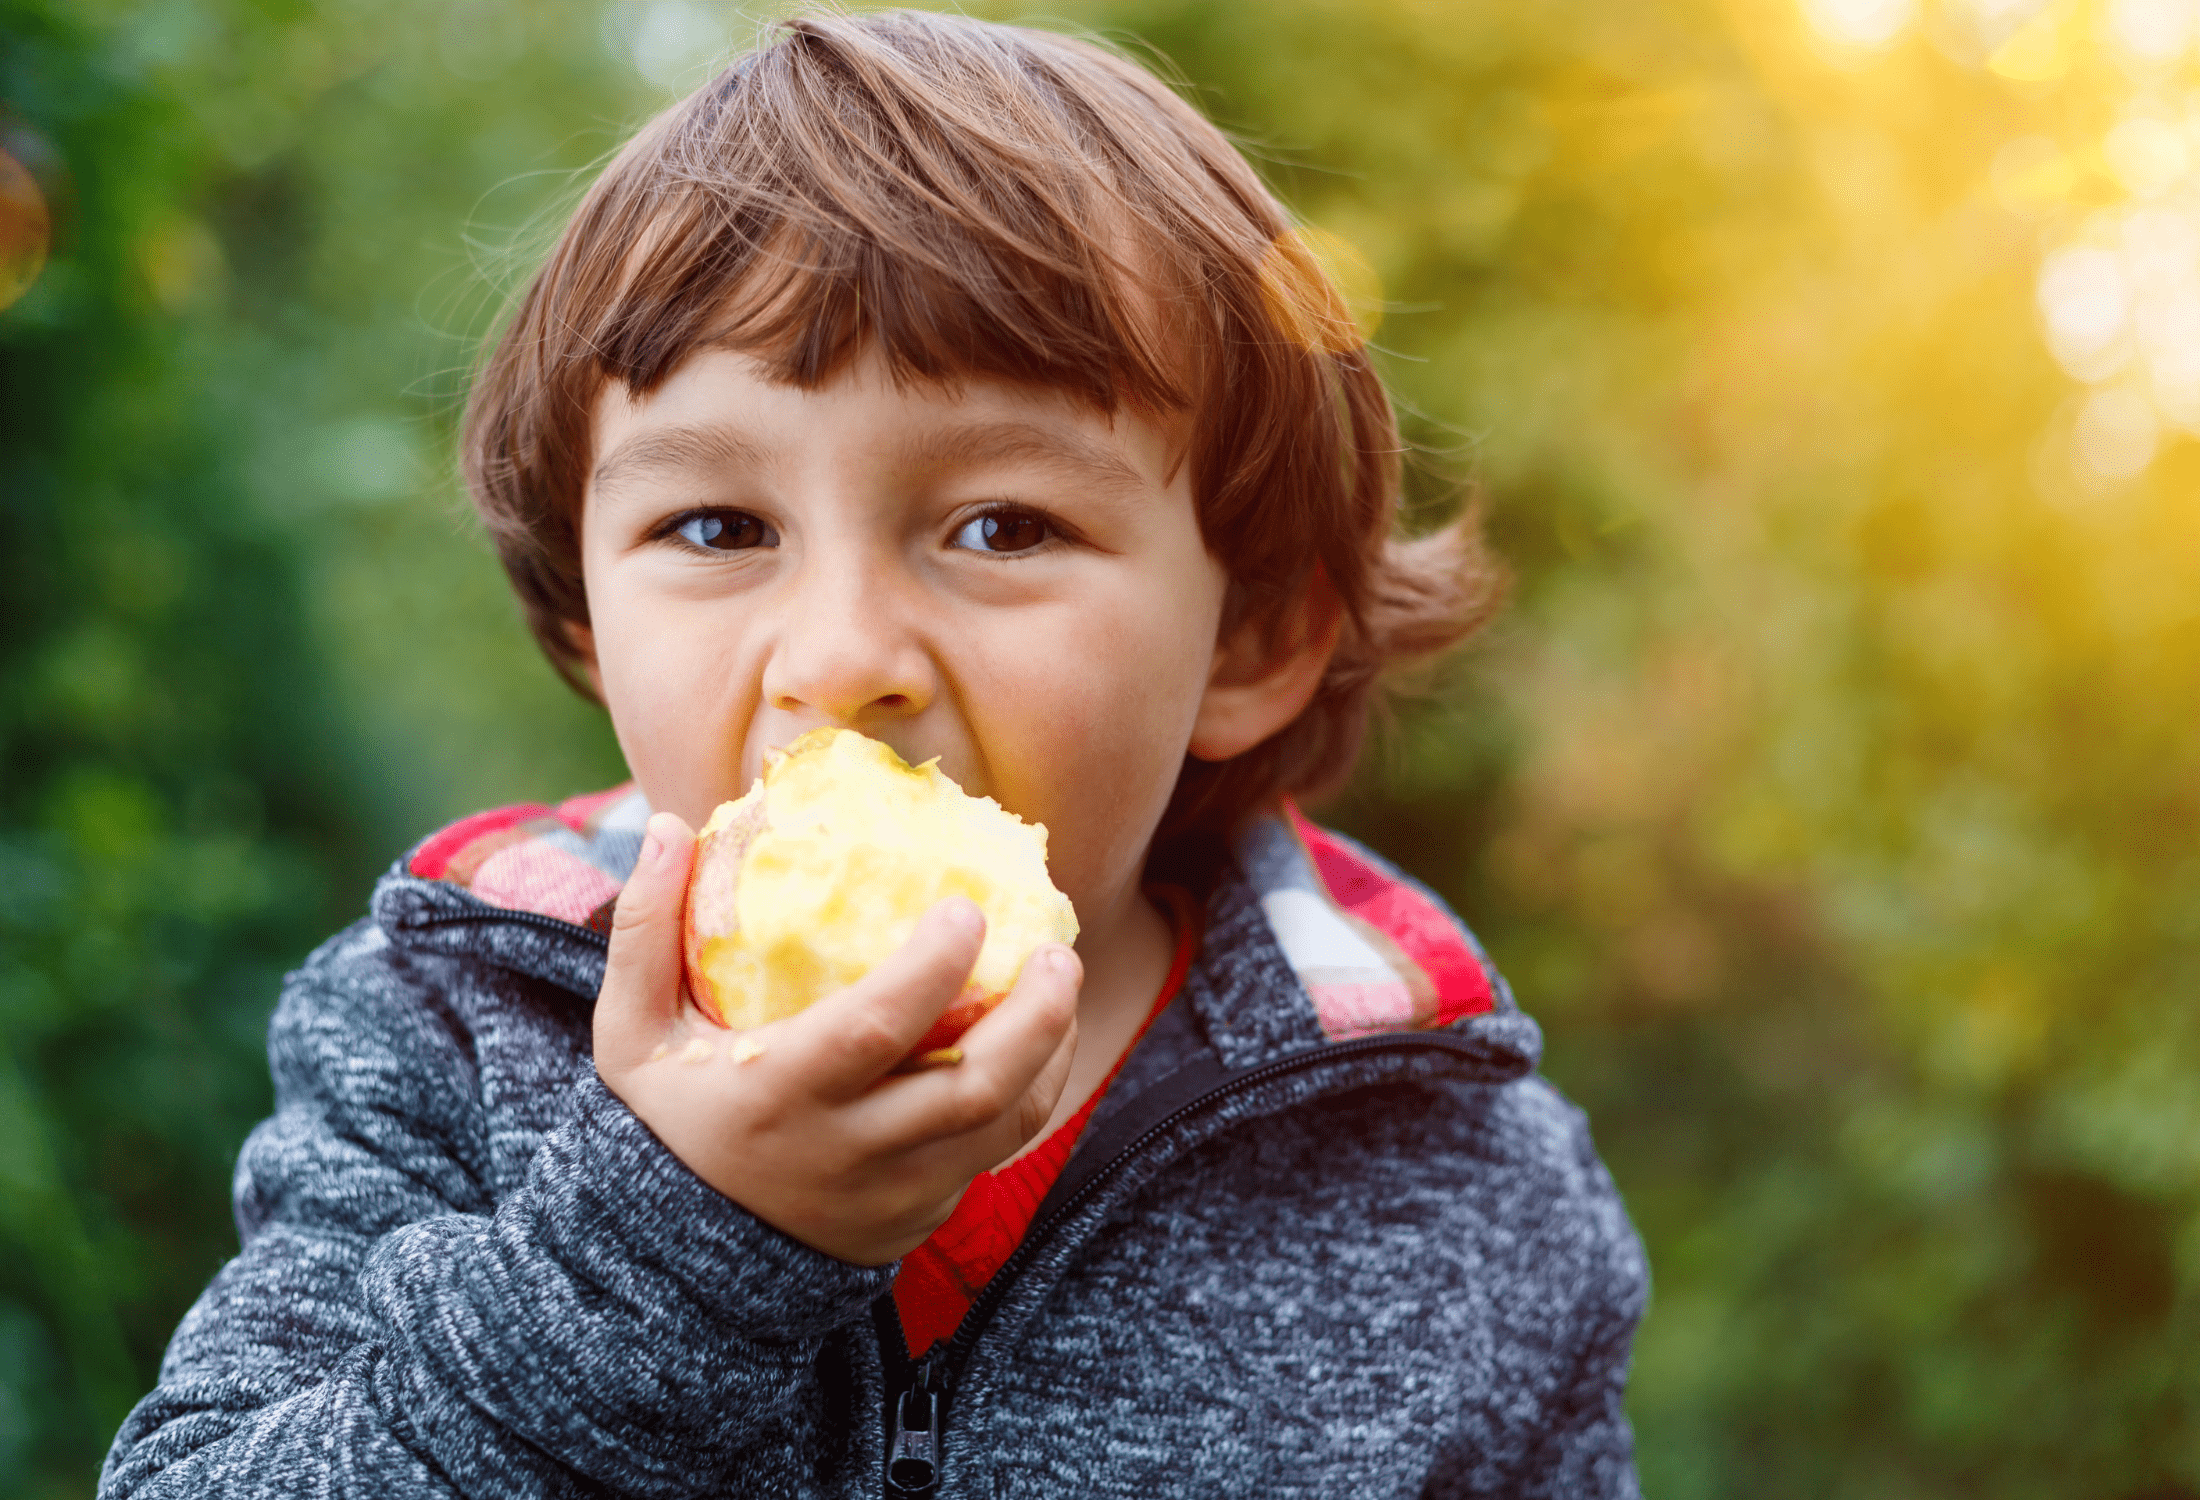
point(977, 444)
point(669, 449)
point(953, 446)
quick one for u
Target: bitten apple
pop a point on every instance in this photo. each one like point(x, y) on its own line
point(803, 885)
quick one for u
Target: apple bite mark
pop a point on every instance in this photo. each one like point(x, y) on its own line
point(806, 883)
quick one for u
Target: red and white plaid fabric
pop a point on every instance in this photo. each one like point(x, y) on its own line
point(1373, 951)
point(566, 861)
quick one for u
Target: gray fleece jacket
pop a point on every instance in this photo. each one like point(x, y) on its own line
point(1309, 1245)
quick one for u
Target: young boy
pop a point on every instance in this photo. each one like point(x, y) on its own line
point(957, 384)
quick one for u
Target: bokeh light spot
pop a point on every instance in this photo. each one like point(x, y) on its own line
point(2116, 433)
point(366, 459)
point(480, 40)
point(1860, 23)
point(26, 230)
point(2172, 337)
point(181, 260)
point(2149, 157)
point(2086, 302)
point(2157, 30)
point(672, 43)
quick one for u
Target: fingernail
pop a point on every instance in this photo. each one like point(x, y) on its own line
point(1060, 962)
point(655, 845)
point(961, 913)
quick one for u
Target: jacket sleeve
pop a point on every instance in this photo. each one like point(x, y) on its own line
point(615, 1325)
point(1580, 1284)
point(1587, 1448)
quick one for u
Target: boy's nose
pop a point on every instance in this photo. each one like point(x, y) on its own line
point(847, 653)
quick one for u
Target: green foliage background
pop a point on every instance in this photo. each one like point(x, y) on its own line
point(1830, 791)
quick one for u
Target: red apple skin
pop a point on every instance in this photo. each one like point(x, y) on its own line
point(954, 1021)
point(709, 910)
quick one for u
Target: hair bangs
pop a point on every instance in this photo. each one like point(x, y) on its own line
point(800, 212)
point(808, 306)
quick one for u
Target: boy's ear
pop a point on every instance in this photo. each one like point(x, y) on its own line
point(1265, 673)
point(583, 642)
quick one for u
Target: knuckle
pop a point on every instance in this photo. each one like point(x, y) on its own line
point(947, 957)
point(1061, 1006)
point(631, 910)
point(1032, 1114)
point(866, 1038)
point(768, 1113)
point(977, 1101)
point(935, 977)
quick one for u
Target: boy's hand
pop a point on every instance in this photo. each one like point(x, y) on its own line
point(810, 1129)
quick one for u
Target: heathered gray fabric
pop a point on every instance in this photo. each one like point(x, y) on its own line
point(1387, 1270)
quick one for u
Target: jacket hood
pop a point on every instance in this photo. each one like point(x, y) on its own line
point(527, 888)
point(1311, 939)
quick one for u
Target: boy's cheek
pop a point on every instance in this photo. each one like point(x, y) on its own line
point(682, 739)
point(1097, 768)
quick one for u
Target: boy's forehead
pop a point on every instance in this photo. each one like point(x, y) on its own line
point(723, 408)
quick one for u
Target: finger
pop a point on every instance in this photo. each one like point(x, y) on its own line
point(847, 1041)
point(1027, 1122)
point(640, 998)
point(1015, 1062)
point(1045, 1094)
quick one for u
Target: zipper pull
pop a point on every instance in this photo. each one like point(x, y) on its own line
point(913, 1453)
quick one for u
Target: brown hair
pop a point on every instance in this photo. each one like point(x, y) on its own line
point(983, 200)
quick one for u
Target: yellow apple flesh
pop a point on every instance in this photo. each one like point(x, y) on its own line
point(802, 886)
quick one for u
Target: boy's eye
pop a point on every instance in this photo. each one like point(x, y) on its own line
point(1003, 531)
point(726, 531)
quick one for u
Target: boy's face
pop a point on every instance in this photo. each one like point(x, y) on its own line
point(996, 575)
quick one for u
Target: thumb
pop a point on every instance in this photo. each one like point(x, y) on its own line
point(640, 999)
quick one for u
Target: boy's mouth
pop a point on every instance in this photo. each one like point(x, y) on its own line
point(965, 769)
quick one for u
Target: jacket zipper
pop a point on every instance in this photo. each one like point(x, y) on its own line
point(921, 1394)
point(913, 1442)
point(588, 935)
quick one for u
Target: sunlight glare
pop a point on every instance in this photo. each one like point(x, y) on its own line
point(2156, 30)
point(2086, 303)
point(2162, 257)
point(1869, 24)
point(2149, 157)
point(2116, 433)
